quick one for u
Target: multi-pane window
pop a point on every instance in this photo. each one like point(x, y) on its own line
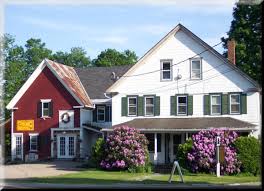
point(132, 106)
point(33, 142)
point(182, 105)
point(215, 104)
point(151, 139)
point(166, 70)
point(196, 69)
point(235, 103)
point(46, 104)
point(18, 145)
point(149, 106)
point(100, 113)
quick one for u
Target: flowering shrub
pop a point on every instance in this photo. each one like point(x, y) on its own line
point(202, 157)
point(125, 148)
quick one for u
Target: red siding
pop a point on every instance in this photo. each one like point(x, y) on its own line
point(46, 86)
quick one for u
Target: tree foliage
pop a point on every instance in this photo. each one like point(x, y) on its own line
point(246, 31)
point(112, 57)
point(249, 153)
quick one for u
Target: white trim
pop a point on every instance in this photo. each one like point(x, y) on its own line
point(230, 103)
point(211, 111)
point(162, 61)
point(12, 135)
point(200, 70)
point(145, 105)
point(101, 108)
point(78, 106)
point(99, 101)
point(30, 136)
point(131, 97)
point(188, 130)
point(42, 107)
point(182, 114)
point(26, 85)
point(22, 144)
point(155, 149)
point(45, 100)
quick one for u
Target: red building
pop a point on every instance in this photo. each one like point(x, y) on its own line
point(46, 111)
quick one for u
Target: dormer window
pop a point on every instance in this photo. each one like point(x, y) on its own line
point(166, 70)
point(196, 69)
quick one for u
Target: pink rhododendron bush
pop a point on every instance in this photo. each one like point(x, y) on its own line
point(202, 157)
point(125, 148)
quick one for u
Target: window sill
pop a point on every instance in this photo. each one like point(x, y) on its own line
point(234, 113)
point(45, 117)
point(166, 80)
point(33, 151)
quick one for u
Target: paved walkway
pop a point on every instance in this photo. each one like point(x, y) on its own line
point(41, 169)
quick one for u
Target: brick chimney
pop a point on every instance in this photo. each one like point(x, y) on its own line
point(231, 46)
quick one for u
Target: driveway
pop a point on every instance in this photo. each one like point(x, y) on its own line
point(41, 169)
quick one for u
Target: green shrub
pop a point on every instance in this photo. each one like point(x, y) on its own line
point(248, 151)
point(97, 153)
point(182, 152)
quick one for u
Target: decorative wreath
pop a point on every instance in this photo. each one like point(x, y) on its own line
point(65, 118)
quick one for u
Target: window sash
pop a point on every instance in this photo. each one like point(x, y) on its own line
point(100, 113)
point(216, 105)
point(196, 72)
point(45, 108)
point(130, 106)
point(33, 142)
point(149, 107)
point(234, 104)
point(166, 71)
point(181, 105)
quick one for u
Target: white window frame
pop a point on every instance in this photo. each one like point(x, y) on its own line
point(162, 70)
point(230, 101)
point(131, 97)
point(149, 105)
point(100, 108)
point(211, 105)
point(30, 139)
point(15, 145)
point(191, 71)
point(42, 107)
point(110, 112)
point(182, 105)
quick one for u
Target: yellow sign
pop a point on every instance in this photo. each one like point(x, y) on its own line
point(25, 125)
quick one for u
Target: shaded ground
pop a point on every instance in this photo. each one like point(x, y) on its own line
point(40, 169)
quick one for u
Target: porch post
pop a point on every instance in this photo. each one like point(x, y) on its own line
point(171, 147)
point(155, 148)
point(186, 137)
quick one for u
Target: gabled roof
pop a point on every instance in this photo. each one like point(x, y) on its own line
point(65, 74)
point(187, 124)
point(194, 37)
point(96, 80)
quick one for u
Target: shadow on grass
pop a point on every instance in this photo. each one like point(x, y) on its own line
point(96, 181)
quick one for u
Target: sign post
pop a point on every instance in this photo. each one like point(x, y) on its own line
point(217, 156)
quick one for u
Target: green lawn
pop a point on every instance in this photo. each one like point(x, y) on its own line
point(105, 177)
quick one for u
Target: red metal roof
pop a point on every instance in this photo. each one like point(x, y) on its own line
point(68, 75)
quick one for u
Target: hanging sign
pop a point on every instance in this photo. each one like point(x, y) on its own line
point(25, 125)
point(222, 154)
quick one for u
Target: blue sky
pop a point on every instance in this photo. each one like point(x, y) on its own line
point(98, 27)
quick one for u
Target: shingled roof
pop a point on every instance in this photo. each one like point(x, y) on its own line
point(185, 124)
point(96, 80)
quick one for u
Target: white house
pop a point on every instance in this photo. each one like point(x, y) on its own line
point(179, 87)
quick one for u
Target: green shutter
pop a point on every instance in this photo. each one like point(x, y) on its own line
point(225, 104)
point(190, 105)
point(243, 103)
point(157, 106)
point(140, 106)
point(173, 105)
point(124, 106)
point(206, 104)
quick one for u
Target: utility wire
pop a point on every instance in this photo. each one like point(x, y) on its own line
point(172, 64)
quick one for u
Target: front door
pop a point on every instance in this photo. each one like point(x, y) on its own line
point(66, 146)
